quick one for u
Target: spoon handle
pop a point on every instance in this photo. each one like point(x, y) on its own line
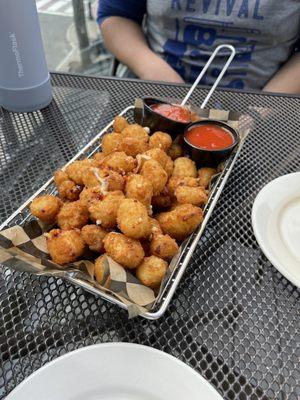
point(204, 69)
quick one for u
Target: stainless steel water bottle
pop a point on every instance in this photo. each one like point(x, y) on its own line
point(24, 77)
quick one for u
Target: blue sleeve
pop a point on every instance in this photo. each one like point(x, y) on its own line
point(131, 9)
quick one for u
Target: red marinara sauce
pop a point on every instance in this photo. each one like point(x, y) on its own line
point(209, 137)
point(174, 112)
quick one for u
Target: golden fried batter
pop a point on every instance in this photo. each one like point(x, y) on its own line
point(175, 151)
point(120, 123)
point(98, 158)
point(176, 181)
point(160, 156)
point(125, 251)
point(139, 188)
point(60, 176)
point(205, 175)
point(133, 220)
point(135, 131)
point(93, 236)
point(111, 142)
point(191, 195)
point(155, 227)
point(160, 140)
point(120, 162)
point(104, 178)
point(88, 195)
point(65, 246)
point(183, 166)
point(181, 221)
point(68, 190)
point(163, 246)
point(77, 169)
point(104, 212)
point(151, 271)
point(45, 207)
point(100, 272)
point(72, 215)
point(133, 146)
point(155, 173)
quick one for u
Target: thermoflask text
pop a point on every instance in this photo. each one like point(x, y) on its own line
point(24, 77)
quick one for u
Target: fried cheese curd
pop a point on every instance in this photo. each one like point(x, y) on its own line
point(162, 158)
point(90, 194)
point(176, 181)
point(139, 188)
point(120, 162)
point(76, 170)
point(154, 172)
point(120, 123)
point(68, 190)
point(111, 142)
point(181, 221)
point(205, 174)
point(191, 195)
point(107, 179)
point(160, 140)
point(151, 271)
point(93, 236)
point(46, 207)
point(65, 246)
point(100, 273)
point(163, 246)
point(183, 166)
point(73, 215)
point(135, 140)
point(133, 220)
point(98, 158)
point(125, 251)
point(104, 212)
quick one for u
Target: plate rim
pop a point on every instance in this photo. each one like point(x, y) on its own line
point(70, 354)
point(290, 277)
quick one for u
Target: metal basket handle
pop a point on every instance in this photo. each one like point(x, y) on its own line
point(202, 73)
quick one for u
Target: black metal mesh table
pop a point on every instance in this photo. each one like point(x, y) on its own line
point(234, 318)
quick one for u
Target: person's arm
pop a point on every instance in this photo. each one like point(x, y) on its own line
point(120, 22)
point(287, 79)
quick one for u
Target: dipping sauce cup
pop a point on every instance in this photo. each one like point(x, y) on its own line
point(210, 142)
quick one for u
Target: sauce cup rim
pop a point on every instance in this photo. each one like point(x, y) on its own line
point(235, 134)
point(184, 124)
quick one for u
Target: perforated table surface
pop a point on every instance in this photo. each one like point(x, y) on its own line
point(233, 318)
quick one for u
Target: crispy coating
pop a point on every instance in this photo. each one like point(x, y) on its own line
point(120, 123)
point(160, 156)
point(181, 221)
point(111, 142)
point(191, 195)
point(183, 166)
point(205, 175)
point(176, 181)
point(155, 227)
point(98, 158)
point(60, 176)
point(68, 190)
point(65, 246)
point(104, 212)
point(119, 161)
point(72, 215)
point(151, 271)
point(100, 272)
point(162, 200)
point(163, 246)
point(77, 169)
point(160, 140)
point(169, 166)
point(133, 220)
point(133, 146)
point(154, 172)
point(93, 236)
point(45, 207)
point(139, 188)
point(175, 151)
point(125, 251)
point(108, 180)
point(135, 131)
point(88, 195)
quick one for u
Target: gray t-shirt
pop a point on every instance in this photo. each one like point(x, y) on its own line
point(264, 33)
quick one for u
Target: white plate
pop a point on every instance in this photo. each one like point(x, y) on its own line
point(115, 371)
point(276, 224)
